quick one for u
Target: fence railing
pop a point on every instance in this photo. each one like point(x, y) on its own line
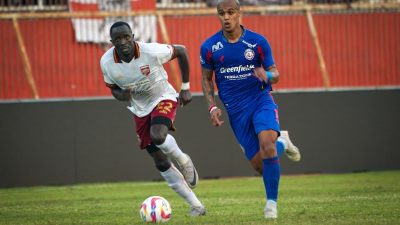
point(47, 54)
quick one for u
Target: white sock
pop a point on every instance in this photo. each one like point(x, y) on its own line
point(176, 181)
point(172, 150)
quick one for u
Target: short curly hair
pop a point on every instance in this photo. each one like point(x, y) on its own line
point(118, 24)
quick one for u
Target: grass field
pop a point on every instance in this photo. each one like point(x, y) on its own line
point(357, 198)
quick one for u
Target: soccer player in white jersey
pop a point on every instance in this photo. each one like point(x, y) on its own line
point(134, 72)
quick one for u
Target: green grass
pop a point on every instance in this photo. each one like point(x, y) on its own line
point(357, 198)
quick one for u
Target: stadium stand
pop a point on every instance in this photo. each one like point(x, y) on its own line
point(360, 48)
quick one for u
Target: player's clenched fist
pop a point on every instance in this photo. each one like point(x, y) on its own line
point(184, 97)
point(215, 117)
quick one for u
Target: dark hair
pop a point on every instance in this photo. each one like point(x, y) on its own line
point(118, 24)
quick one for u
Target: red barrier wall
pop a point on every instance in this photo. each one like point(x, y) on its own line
point(371, 53)
point(61, 67)
point(360, 49)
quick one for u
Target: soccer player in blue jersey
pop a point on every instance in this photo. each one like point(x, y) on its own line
point(244, 73)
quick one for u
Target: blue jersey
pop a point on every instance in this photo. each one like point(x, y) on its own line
point(233, 64)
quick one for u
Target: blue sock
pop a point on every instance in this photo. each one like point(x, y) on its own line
point(271, 175)
point(279, 148)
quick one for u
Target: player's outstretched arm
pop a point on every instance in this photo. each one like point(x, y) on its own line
point(184, 95)
point(208, 91)
point(118, 93)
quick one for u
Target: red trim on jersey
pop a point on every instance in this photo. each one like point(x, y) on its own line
point(116, 57)
point(260, 51)
point(208, 58)
point(136, 51)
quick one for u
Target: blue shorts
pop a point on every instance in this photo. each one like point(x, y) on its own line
point(247, 125)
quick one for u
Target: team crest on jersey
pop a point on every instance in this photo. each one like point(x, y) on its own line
point(145, 70)
point(249, 54)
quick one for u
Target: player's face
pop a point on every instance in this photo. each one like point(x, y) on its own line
point(229, 15)
point(122, 39)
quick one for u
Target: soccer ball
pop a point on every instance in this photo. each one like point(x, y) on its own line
point(155, 209)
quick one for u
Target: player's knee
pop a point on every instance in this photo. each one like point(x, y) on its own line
point(268, 149)
point(157, 137)
point(158, 133)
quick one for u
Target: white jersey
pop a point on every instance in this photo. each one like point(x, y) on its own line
point(145, 75)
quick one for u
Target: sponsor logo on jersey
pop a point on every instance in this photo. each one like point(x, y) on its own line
point(216, 47)
point(242, 72)
point(236, 69)
point(249, 54)
point(238, 76)
point(145, 70)
point(248, 44)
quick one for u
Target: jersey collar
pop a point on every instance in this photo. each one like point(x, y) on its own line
point(136, 54)
point(241, 37)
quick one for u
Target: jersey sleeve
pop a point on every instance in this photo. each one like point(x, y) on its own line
point(163, 52)
point(107, 79)
point(265, 52)
point(205, 58)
